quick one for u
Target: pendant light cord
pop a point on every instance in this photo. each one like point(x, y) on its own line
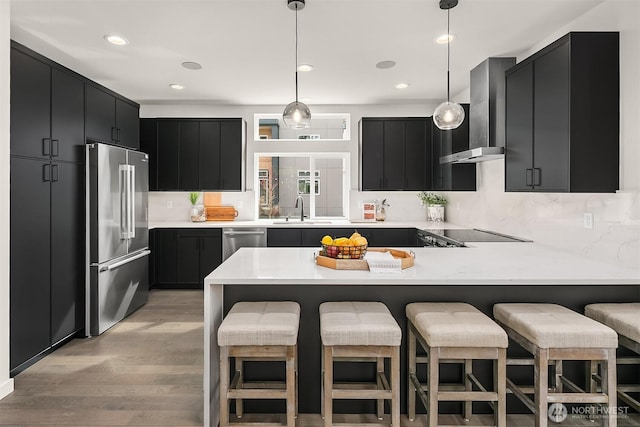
point(296, 53)
point(448, 53)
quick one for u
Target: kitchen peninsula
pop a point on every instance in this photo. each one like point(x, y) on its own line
point(482, 274)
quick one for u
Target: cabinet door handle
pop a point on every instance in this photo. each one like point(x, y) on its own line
point(54, 173)
point(118, 134)
point(54, 148)
point(113, 134)
point(46, 146)
point(46, 173)
point(529, 178)
point(537, 176)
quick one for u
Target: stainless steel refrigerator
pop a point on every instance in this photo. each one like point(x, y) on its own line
point(117, 234)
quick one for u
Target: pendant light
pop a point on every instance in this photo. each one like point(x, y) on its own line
point(296, 115)
point(448, 115)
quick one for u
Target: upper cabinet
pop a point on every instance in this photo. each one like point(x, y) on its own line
point(47, 110)
point(111, 118)
point(194, 154)
point(404, 153)
point(395, 153)
point(562, 117)
point(452, 176)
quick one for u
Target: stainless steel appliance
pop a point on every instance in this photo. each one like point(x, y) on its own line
point(454, 238)
point(118, 235)
point(236, 238)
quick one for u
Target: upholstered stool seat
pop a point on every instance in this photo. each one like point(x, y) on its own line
point(360, 331)
point(261, 331)
point(454, 333)
point(553, 333)
point(624, 318)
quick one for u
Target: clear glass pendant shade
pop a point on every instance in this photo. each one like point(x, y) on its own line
point(297, 115)
point(448, 115)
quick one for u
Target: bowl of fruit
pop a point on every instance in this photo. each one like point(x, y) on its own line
point(353, 247)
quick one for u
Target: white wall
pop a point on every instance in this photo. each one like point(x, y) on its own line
point(6, 384)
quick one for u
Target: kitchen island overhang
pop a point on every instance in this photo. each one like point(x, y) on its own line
point(482, 275)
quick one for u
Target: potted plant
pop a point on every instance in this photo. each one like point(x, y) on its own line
point(197, 212)
point(435, 204)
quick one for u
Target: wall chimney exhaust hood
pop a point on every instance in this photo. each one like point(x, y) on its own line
point(487, 113)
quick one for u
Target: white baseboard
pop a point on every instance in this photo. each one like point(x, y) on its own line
point(6, 388)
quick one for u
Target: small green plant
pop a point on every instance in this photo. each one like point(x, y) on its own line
point(193, 197)
point(430, 199)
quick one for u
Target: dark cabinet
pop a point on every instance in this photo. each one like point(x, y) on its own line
point(449, 176)
point(111, 119)
point(47, 255)
point(47, 110)
point(47, 241)
point(310, 237)
point(395, 153)
point(560, 137)
point(194, 154)
point(184, 257)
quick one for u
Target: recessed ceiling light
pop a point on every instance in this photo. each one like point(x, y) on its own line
point(305, 67)
point(191, 65)
point(444, 38)
point(402, 85)
point(383, 65)
point(117, 40)
point(176, 86)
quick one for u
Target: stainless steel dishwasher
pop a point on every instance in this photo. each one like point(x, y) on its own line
point(236, 238)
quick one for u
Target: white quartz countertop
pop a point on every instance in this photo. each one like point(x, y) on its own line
point(478, 264)
point(311, 223)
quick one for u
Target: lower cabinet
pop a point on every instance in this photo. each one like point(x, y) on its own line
point(310, 237)
point(47, 256)
point(182, 258)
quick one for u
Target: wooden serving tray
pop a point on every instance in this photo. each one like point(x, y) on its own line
point(361, 264)
point(221, 213)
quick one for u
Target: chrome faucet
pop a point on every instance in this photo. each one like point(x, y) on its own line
point(301, 200)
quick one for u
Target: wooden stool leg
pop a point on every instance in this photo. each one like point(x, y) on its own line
point(541, 385)
point(395, 387)
point(322, 383)
point(468, 386)
point(224, 386)
point(557, 385)
point(296, 359)
point(328, 386)
point(432, 386)
point(240, 370)
point(500, 385)
point(608, 372)
point(290, 384)
point(379, 371)
point(411, 392)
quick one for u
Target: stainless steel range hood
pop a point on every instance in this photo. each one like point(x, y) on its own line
point(487, 113)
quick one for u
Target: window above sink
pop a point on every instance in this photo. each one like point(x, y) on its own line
point(323, 127)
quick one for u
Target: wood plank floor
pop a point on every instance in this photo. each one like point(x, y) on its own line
point(147, 371)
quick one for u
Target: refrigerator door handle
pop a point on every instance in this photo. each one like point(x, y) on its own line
point(131, 201)
point(125, 261)
point(124, 207)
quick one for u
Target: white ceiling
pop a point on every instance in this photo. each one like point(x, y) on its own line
point(246, 47)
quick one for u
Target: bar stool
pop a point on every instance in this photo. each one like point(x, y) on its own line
point(455, 333)
point(363, 332)
point(262, 331)
point(553, 333)
point(624, 318)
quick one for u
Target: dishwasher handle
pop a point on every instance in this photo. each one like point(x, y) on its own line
point(244, 233)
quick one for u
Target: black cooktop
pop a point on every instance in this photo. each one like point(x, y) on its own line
point(473, 235)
